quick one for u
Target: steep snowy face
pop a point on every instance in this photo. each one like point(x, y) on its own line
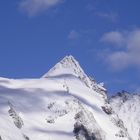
point(40, 109)
point(64, 104)
point(68, 67)
point(127, 106)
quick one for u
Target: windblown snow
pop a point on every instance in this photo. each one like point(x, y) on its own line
point(64, 104)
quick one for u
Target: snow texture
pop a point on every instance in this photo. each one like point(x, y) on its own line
point(64, 104)
point(127, 106)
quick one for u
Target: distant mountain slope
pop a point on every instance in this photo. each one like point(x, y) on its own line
point(127, 106)
point(65, 104)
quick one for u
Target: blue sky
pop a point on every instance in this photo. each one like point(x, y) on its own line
point(104, 36)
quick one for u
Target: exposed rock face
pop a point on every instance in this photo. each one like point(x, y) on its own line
point(25, 137)
point(82, 130)
point(16, 118)
point(107, 110)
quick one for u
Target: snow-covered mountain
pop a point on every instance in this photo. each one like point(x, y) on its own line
point(64, 104)
point(127, 106)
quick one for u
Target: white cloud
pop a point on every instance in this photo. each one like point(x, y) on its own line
point(34, 7)
point(73, 35)
point(129, 54)
point(113, 37)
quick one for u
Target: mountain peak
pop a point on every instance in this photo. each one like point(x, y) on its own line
point(67, 66)
point(69, 58)
point(69, 61)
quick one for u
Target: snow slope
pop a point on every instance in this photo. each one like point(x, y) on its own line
point(64, 104)
point(127, 106)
